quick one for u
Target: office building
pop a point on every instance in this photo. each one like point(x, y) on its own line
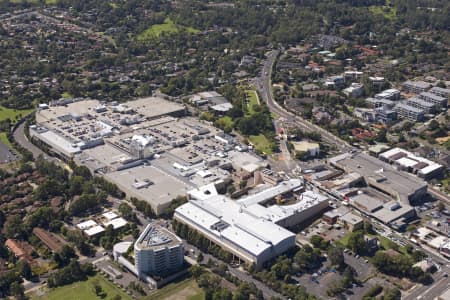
point(351, 222)
point(158, 252)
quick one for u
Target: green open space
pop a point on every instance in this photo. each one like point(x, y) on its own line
point(183, 290)
point(261, 143)
point(13, 114)
point(83, 290)
point(4, 139)
point(388, 12)
point(252, 97)
point(384, 241)
point(168, 27)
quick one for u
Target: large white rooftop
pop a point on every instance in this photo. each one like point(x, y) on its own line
point(246, 223)
point(86, 224)
point(408, 159)
point(271, 192)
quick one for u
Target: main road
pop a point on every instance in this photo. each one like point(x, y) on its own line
point(264, 85)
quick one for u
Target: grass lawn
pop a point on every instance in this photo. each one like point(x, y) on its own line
point(167, 27)
point(183, 290)
point(252, 100)
point(65, 94)
point(388, 12)
point(4, 139)
point(13, 114)
point(261, 143)
point(83, 290)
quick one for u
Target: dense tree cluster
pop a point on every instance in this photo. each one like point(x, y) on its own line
point(400, 266)
point(69, 274)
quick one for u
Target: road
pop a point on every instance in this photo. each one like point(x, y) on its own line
point(264, 86)
point(241, 275)
point(22, 140)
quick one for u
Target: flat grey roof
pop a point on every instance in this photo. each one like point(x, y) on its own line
point(368, 202)
point(163, 189)
point(421, 102)
point(386, 215)
point(409, 108)
point(156, 237)
point(370, 167)
point(152, 107)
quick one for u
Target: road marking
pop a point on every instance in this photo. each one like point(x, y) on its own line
point(432, 287)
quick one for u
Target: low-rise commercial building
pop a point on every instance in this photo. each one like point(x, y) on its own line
point(351, 222)
point(381, 176)
point(409, 162)
point(310, 149)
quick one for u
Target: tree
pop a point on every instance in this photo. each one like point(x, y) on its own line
point(392, 294)
point(318, 242)
point(14, 227)
point(24, 269)
point(440, 206)
point(336, 256)
point(433, 125)
point(16, 289)
point(356, 242)
point(196, 271)
point(231, 189)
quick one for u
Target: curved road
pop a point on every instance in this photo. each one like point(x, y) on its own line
point(265, 89)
